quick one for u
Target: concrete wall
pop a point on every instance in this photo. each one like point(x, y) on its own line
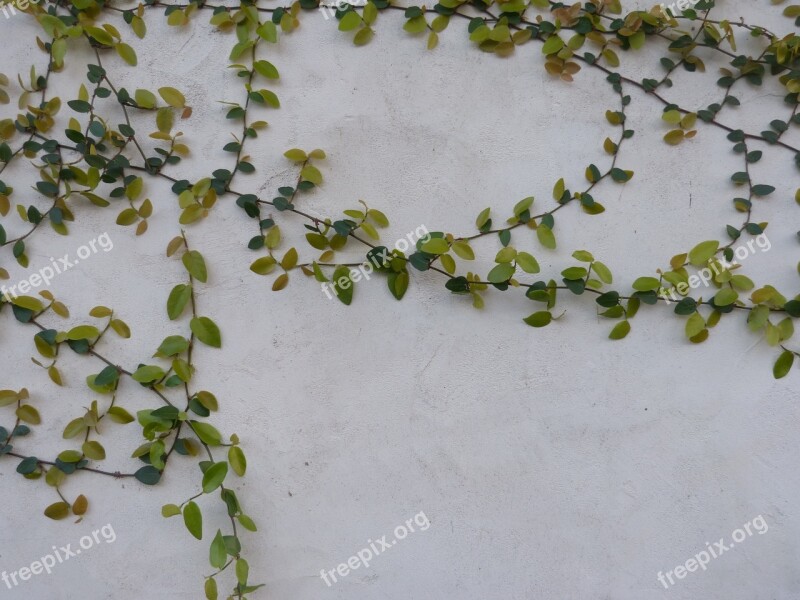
point(550, 463)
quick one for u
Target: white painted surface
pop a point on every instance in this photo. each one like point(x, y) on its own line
point(551, 463)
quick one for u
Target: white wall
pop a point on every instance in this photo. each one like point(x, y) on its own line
point(551, 463)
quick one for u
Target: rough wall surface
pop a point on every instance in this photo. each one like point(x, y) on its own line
point(550, 463)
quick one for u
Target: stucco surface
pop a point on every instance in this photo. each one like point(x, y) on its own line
point(551, 463)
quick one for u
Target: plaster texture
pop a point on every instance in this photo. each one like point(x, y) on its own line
point(552, 463)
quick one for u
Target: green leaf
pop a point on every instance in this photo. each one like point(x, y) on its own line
point(552, 45)
point(527, 262)
point(436, 246)
point(80, 106)
point(170, 510)
point(602, 272)
point(725, 297)
point(574, 273)
point(206, 331)
point(506, 255)
point(74, 428)
point(148, 475)
point(208, 400)
point(172, 345)
point(94, 450)
point(416, 24)
point(289, 259)
point(107, 376)
point(46, 188)
point(350, 21)
point(247, 523)
point(673, 117)
point(83, 332)
point(539, 319)
point(214, 476)
point(501, 273)
point(700, 254)
point(296, 155)
point(268, 31)
point(463, 250)
point(129, 216)
point(120, 415)
point(8, 397)
point(695, 325)
point(620, 330)
point(763, 190)
point(182, 369)
point(145, 98)
point(100, 35)
point(69, 456)
point(57, 511)
point(178, 298)
point(238, 461)
point(483, 217)
point(212, 593)
point(674, 137)
point(312, 174)
point(266, 68)
point(583, 256)
point(398, 284)
point(80, 506)
point(742, 282)
point(218, 554)
point(28, 302)
point(792, 308)
point(172, 97)
point(523, 205)
point(120, 328)
point(343, 285)
point(242, 569)
point(193, 519)
point(148, 374)
point(207, 433)
point(316, 240)
point(363, 36)
point(164, 122)
point(637, 40)
point(281, 282)
point(139, 27)
point(380, 219)
point(558, 189)
point(196, 265)
point(646, 284)
point(127, 54)
point(546, 237)
point(28, 465)
point(783, 364)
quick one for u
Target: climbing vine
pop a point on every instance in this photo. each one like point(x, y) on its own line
point(82, 158)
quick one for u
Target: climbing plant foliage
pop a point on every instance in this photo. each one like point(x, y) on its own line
point(84, 159)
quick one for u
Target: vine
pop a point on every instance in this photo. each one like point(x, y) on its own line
point(109, 164)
